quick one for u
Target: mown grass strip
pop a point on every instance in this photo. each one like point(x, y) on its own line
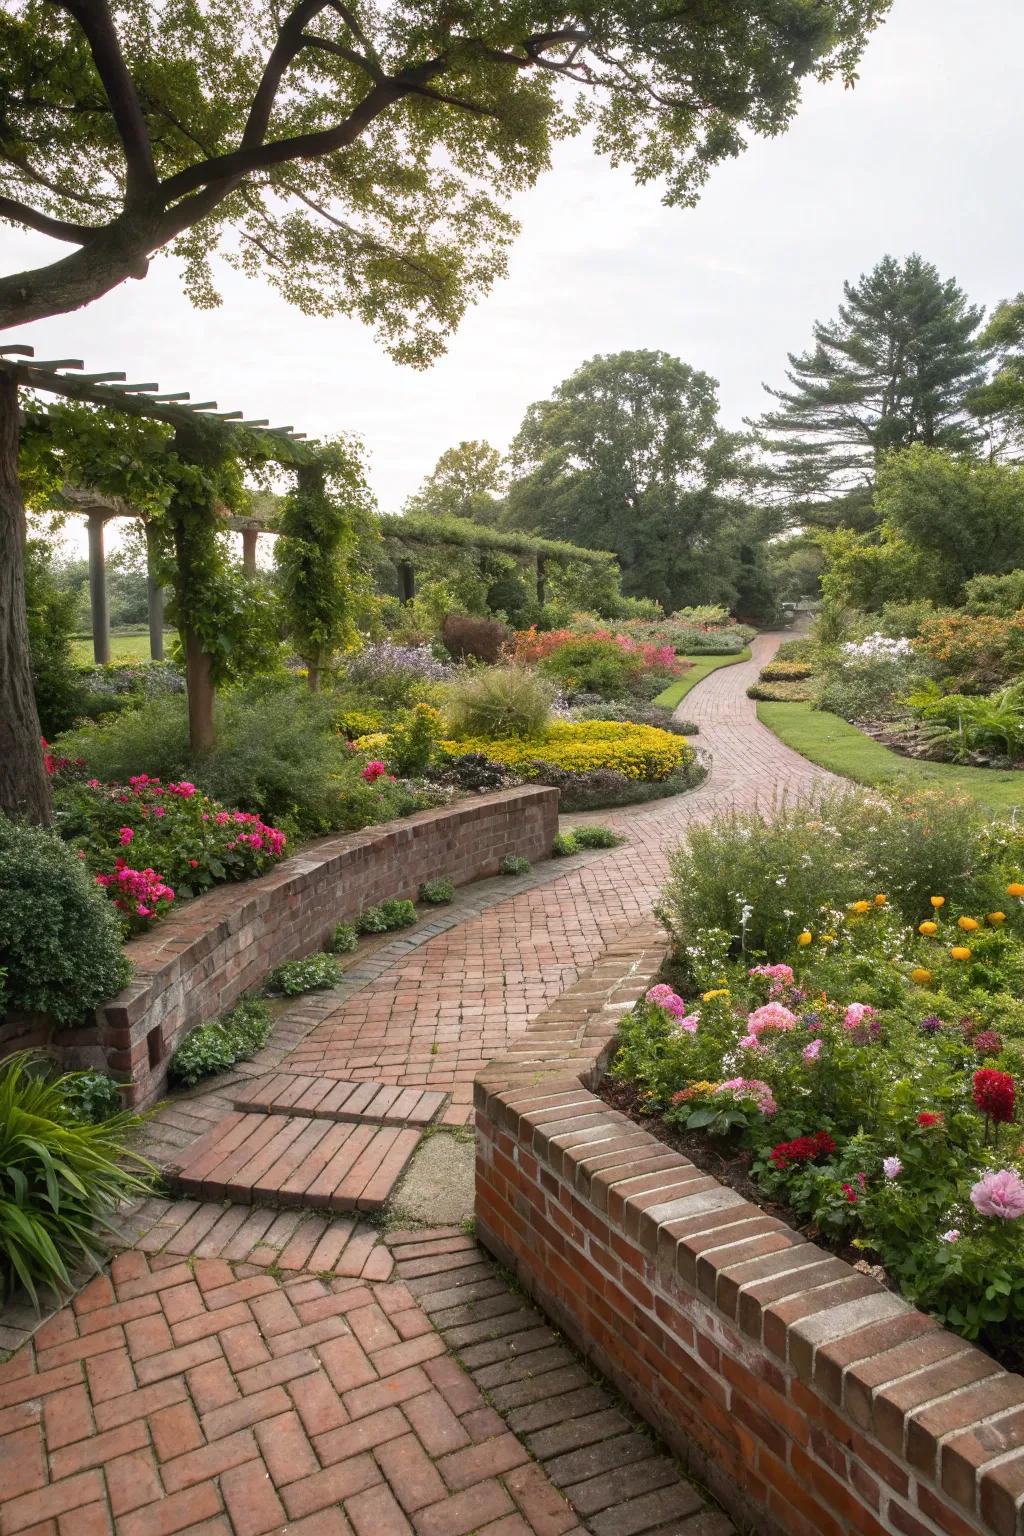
point(702, 666)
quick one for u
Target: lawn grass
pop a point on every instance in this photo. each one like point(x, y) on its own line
point(832, 743)
point(133, 646)
point(676, 692)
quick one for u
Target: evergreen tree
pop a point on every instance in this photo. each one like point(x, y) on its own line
point(999, 403)
point(894, 368)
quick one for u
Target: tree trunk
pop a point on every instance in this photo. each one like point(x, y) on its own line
point(313, 676)
point(24, 790)
point(200, 694)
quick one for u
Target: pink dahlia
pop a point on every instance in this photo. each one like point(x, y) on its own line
point(662, 996)
point(771, 1016)
point(1000, 1194)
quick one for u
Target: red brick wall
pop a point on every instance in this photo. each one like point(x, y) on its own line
point(809, 1398)
point(203, 957)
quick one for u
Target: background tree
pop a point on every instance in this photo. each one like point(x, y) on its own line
point(894, 368)
point(359, 157)
point(628, 455)
point(467, 481)
point(999, 402)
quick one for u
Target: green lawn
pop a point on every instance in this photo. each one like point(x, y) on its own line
point(133, 646)
point(702, 666)
point(832, 743)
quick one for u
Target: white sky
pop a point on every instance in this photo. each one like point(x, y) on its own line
point(925, 154)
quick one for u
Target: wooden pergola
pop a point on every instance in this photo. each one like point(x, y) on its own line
point(65, 377)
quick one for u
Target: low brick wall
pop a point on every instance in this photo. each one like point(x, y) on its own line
point(202, 958)
point(811, 1400)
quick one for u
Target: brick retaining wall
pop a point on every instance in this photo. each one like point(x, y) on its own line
point(811, 1400)
point(202, 958)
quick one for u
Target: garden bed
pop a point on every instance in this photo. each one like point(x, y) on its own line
point(203, 957)
point(808, 1397)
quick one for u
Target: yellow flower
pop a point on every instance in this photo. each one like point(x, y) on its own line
point(880, 900)
point(707, 997)
point(968, 924)
point(940, 901)
point(927, 929)
point(805, 938)
point(960, 952)
point(921, 976)
point(860, 906)
point(829, 938)
point(1015, 888)
point(995, 918)
point(639, 751)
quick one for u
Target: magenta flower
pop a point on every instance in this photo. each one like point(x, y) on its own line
point(1000, 1194)
point(184, 789)
point(374, 770)
point(125, 836)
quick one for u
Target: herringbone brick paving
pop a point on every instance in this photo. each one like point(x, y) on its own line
point(248, 1369)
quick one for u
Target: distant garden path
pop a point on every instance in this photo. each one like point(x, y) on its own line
point(247, 1369)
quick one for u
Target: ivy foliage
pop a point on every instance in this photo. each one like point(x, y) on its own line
point(325, 554)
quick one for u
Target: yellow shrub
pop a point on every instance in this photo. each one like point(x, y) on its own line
point(638, 751)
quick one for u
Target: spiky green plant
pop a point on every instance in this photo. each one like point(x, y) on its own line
point(61, 1178)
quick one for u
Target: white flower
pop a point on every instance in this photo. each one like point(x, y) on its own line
point(892, 1167)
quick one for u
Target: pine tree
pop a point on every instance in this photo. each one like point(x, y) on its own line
point(894, 368)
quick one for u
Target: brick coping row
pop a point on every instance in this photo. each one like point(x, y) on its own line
point(812, 1400)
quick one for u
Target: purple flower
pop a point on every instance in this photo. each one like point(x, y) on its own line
point(1000, 1194)
point(931, 1025)
point(892, 1167)
point(813, 1051)
point(385, 659)
point(811, 1019)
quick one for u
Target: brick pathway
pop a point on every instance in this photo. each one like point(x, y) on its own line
point(245, 1369)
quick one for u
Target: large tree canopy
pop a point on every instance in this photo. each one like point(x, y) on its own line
point(894, 368)
point(628, 455)
point(362, 154)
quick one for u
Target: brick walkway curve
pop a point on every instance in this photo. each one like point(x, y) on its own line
point(245, 1370)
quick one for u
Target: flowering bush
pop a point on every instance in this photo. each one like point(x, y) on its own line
point(869, 679)
point(973, 653)
point(388, 670)
point(148, 843)
point(596, 661)
point(863, 1051)
point(640, 751)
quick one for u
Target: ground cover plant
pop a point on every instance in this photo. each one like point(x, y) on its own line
point(843, 1020)
point(236, 1036)
point(313, 973)
point(62, 1176)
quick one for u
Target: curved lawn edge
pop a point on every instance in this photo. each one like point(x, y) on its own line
point(834, 744)
point(702, 667)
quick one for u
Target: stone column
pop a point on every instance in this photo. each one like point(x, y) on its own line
point(249, 537)
point(98, 592)
point(155, 598)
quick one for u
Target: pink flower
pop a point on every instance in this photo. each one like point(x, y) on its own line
point(857, 1014)
point(144, 911)
point(771, 1016)
point(193, 863)
point(952, 1236)
point(125, 836)
point(183, 788)
point(662, 996)
point(94, 783)
point(689, 1023)
point(1000, 1194)
point(750, 1043)
point(811, 1052)
point(373, 771)
point(892, 1167)
point(751, 1088)
point(159, 810)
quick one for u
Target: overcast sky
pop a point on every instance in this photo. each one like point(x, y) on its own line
point(925, 154)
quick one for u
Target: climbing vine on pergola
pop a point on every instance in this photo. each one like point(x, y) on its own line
point(181, 466)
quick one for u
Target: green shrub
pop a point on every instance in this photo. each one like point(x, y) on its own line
point(592, 665)
point(412, 742)
point(590, 836)
point(51, 622)
point(312, 974)
point(237, 1036)
point(345, 939)
point(499, 702)
point(91, 1096)
point(61, 1178)
point(801, 649)
point(782, 693)
point(1003, 595)
point(60, 939)
point(514, 864)
point(785, 671)
point(563, 846)
point(152, 738)
point(437, 893)
point(386, 917)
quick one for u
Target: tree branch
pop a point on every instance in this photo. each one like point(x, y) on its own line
point(96, 22)
point(31, 218)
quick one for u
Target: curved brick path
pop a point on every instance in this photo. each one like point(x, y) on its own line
point(245, 1370)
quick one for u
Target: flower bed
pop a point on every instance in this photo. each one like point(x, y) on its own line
point(856, 1051)
point(641, 752)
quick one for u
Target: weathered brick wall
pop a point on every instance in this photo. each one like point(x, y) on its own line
point(202, 958)
point(808, 1397)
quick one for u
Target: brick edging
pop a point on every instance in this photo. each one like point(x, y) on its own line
point(812, 1400)
point(202, 958)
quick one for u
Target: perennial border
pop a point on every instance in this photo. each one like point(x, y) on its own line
point(810, 1399)
point(198, 961)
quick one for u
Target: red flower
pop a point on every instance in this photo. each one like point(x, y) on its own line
point(803, 1150)
point(850, 1193)
point(927, 1118)
point(994, 1094)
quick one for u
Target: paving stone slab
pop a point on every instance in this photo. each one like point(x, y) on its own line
point(324, 1098)
point(266, 1159)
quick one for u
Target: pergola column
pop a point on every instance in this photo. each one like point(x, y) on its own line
point(154, 599)
point(98, 592)
point(406, 581)
point(249, 537)
point(540, 579)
